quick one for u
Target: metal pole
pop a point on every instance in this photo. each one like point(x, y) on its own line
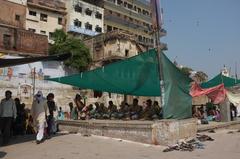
point(34, 80)
point(158, 47)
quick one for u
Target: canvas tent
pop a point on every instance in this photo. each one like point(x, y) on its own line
point(219, 79)
point(217, 89)
point(139, 76)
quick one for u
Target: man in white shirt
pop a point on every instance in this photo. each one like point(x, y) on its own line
point(39, 113)
point(8, 113)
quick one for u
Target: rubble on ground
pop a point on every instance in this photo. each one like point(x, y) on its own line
point(190, 145)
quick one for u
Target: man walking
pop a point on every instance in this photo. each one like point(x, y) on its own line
point(39, 113)
point(8, 113)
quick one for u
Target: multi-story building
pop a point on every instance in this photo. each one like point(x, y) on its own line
point(129, 15)
point(45, 16)
point(12, 14)
point(84, 18)
point(14, 39)
point(112, 46)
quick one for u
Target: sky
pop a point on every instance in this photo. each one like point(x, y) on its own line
point(203, 34)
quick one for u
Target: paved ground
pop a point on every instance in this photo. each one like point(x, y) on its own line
point(74, 146)
point(213, 125)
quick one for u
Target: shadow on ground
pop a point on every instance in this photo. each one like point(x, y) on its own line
point(25, 138)
point(2, 154)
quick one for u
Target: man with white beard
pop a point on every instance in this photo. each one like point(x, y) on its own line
point(39, 113)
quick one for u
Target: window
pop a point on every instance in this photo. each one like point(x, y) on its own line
point(114, 28)
point(17, 17)
point(98, 15)
point(77, 8)
point(135, 8)
point(33, 13)
point(119, 2)
point(88, 12)
point(51, 35)
point(32, 30)
point(126, 53)
point(77, 23)
point(125, 4)
point(7, 41)
point(109, 28)
point(43, 17)
point(88, 26)
point(43, 32)
point(98, 29)
point(130, 6)
point(60, 20)
point(139, 10)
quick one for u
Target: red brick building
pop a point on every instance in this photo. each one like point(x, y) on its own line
point(14, 39)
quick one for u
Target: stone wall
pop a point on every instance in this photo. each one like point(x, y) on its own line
point(20, 41)
point(163, 132)
point(9, 11)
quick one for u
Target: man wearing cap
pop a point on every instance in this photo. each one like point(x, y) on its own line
point(8, 113)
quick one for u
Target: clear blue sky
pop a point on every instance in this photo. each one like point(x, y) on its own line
point(203, 34)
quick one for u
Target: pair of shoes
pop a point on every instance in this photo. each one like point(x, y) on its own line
point(39, 141)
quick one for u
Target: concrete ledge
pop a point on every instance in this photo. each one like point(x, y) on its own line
point(162, 132)
point(219, 125)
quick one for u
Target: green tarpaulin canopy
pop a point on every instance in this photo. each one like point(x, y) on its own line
point(178, 101)
point(139, 76)
point(219, 79)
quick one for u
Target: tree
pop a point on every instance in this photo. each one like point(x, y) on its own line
point(186, 71)
point(80, 59)
point(200, 77)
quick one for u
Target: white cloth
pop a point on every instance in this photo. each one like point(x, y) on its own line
point(234, 98)
point(40, 133)
point(39, 112)
point(8, 108)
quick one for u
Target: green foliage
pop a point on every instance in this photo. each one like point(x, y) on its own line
point(201, 76)
point(80, 59)
point(186, 70)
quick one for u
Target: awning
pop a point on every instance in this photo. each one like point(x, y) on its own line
point(20, 61)
point(139, 76)
point(221, 79)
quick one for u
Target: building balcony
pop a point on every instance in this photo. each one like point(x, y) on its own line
point(127, 24)
point(56, 5)
point(121, 9)
point(84, 31)
point(163, 32)
point(163, 46)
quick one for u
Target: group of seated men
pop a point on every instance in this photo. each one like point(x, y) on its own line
point(149, 111)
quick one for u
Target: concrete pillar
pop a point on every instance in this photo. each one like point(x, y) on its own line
point(225, 111)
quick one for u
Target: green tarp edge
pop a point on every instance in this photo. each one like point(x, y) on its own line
point(178, 101)
point(139, 76)
point(219, 79)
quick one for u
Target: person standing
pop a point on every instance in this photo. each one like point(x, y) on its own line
point(39, 113)
point(50, 119)
point(8, 113)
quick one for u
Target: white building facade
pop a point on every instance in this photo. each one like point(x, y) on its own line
point(84, 18)
point(45, 18)
point(22, 2)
